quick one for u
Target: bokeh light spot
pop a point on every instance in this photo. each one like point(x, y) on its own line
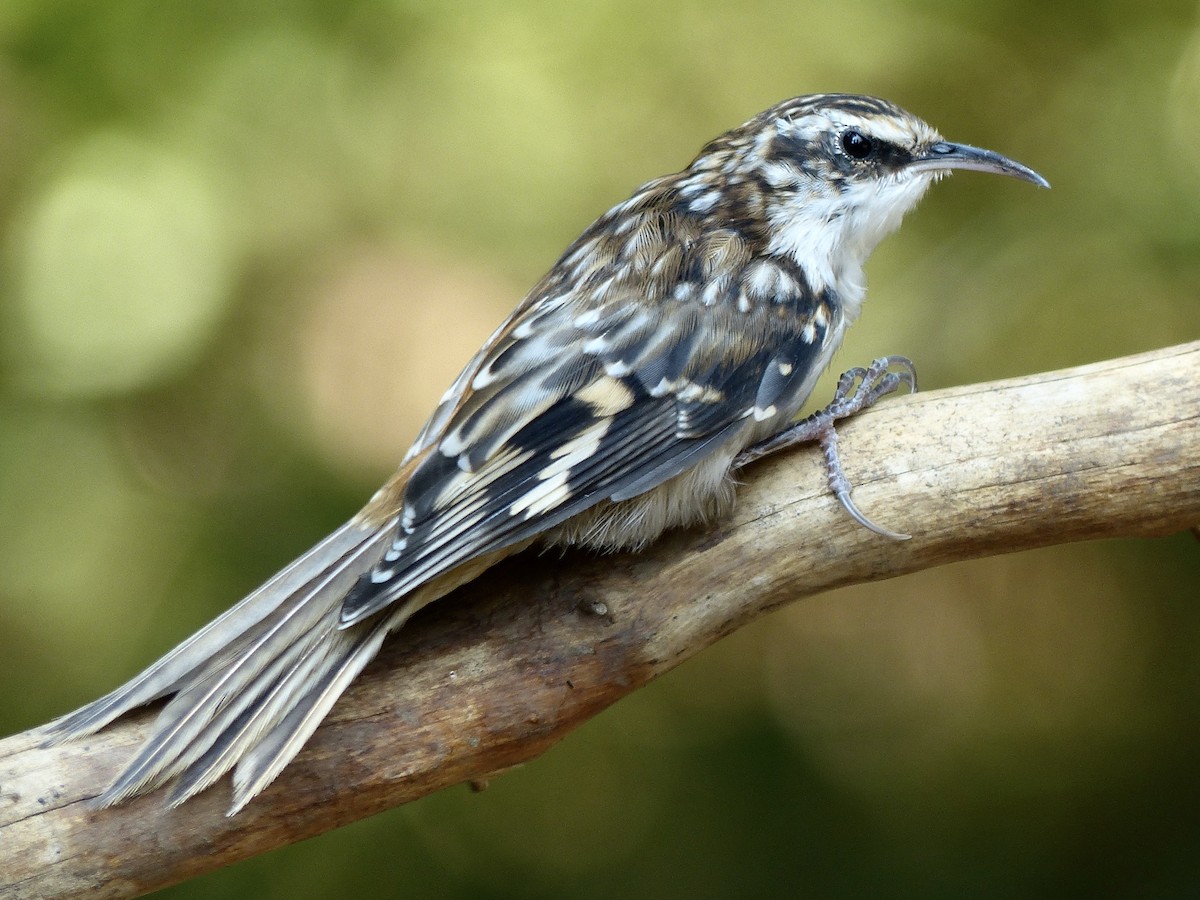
point(123, 270)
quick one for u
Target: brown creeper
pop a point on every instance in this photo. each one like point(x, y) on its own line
point(674, 340)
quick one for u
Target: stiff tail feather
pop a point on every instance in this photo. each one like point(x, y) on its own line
point(253, 685)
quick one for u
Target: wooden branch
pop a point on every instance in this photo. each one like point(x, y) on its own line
point(500, 672)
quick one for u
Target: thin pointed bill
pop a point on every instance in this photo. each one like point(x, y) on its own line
point(944, 156)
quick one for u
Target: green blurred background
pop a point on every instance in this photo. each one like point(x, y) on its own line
point(246, 246)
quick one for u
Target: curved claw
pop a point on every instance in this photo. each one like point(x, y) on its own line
point(840, 485)
point(858, 516)
point(907, 373)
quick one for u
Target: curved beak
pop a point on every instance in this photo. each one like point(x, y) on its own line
point(944, 156)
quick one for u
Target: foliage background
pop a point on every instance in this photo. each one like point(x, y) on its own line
point(245, 247)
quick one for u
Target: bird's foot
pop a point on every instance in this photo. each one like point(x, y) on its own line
point(856, 390)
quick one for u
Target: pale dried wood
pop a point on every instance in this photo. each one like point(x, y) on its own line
point(500, 672)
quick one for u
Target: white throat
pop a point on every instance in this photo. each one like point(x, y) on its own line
point(831, 233)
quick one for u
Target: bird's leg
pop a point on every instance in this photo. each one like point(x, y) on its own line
point(857, 389)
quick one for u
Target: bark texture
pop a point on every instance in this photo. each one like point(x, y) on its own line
point(507, 666)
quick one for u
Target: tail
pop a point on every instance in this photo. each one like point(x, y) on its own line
point(252, 686)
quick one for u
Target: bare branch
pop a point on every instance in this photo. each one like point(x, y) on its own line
point(515, 661)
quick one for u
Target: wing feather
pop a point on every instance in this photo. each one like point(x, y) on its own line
point(545, 432)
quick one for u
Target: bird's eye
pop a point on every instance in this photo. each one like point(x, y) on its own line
point(857, 145)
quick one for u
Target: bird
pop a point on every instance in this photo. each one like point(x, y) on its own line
point(674, 341)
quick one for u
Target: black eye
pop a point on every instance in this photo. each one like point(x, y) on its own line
point(857, 145)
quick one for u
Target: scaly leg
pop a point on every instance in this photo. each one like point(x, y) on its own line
point(876, 381)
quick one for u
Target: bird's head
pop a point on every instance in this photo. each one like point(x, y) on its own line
point(835, 173)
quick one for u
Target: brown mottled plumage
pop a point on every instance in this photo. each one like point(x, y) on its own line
point(686, 325)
